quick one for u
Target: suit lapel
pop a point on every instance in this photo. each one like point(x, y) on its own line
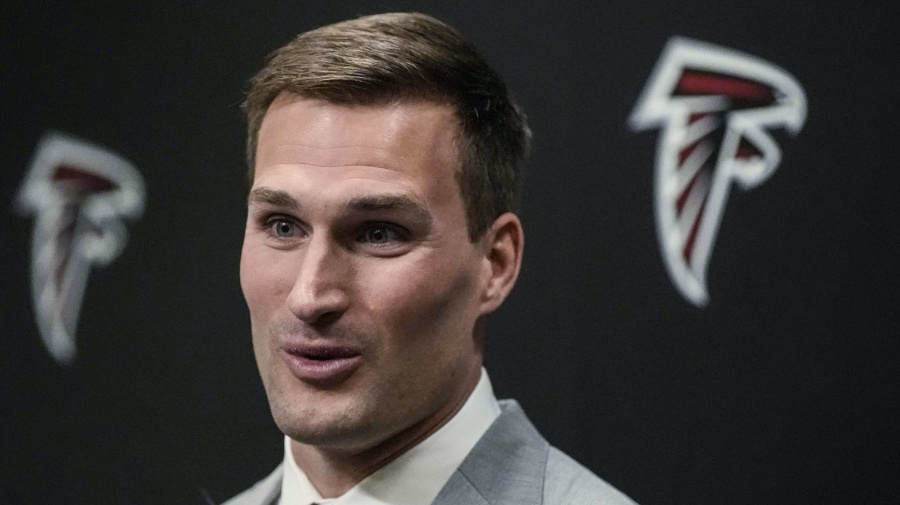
point(459, 491)
point(506, 467)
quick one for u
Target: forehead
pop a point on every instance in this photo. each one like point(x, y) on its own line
point(416, 138)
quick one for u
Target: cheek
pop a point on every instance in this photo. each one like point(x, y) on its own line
point(265, 278)
point(418, 298)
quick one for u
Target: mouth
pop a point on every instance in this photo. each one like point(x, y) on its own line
point(321, 364)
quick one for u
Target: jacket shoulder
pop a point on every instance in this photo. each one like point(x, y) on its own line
point(568, 482)
point(263, 492)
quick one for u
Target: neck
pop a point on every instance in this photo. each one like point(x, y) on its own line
point(334, 471)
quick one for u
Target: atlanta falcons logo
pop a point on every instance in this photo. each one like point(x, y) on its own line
point(713, 106)
point(79, 193)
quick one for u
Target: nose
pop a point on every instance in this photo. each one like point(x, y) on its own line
point(319, 295)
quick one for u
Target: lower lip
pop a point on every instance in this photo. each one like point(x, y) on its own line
point(324, 370)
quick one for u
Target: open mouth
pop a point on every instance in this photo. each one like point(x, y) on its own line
point(321, 364)
point(325, 353)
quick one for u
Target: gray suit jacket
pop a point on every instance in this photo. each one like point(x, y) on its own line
point(512, 464)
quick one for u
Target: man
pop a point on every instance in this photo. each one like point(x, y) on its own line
point(385, 158)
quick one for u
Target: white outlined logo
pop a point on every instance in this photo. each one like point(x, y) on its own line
point(79, 193)
point(713, 105)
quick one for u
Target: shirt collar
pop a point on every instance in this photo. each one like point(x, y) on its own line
point(415, 477)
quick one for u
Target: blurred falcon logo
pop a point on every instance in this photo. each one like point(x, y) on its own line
point(79, 193)
point(713, 105)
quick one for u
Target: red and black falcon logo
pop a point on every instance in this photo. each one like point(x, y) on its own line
point(713, 106)
point(79, 194)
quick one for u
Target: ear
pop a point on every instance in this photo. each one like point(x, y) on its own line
point(503, 243)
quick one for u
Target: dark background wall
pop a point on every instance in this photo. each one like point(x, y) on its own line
point(782, 390)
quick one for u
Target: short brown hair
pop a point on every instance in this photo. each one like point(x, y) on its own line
point(383, 58)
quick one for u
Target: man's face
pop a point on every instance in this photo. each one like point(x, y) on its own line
point(362, 283)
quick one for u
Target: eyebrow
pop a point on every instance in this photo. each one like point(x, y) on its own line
point(369, 203)
point(273, 197)
point(401, 203)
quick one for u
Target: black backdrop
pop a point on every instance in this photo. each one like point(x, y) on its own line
point(783, 389)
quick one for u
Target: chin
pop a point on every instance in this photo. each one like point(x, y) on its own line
point(333, 435)
point(322, 422)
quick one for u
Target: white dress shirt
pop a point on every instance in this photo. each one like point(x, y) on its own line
point(415, 477)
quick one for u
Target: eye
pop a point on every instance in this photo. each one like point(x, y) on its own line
point(380, 234)
point(282, 228)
